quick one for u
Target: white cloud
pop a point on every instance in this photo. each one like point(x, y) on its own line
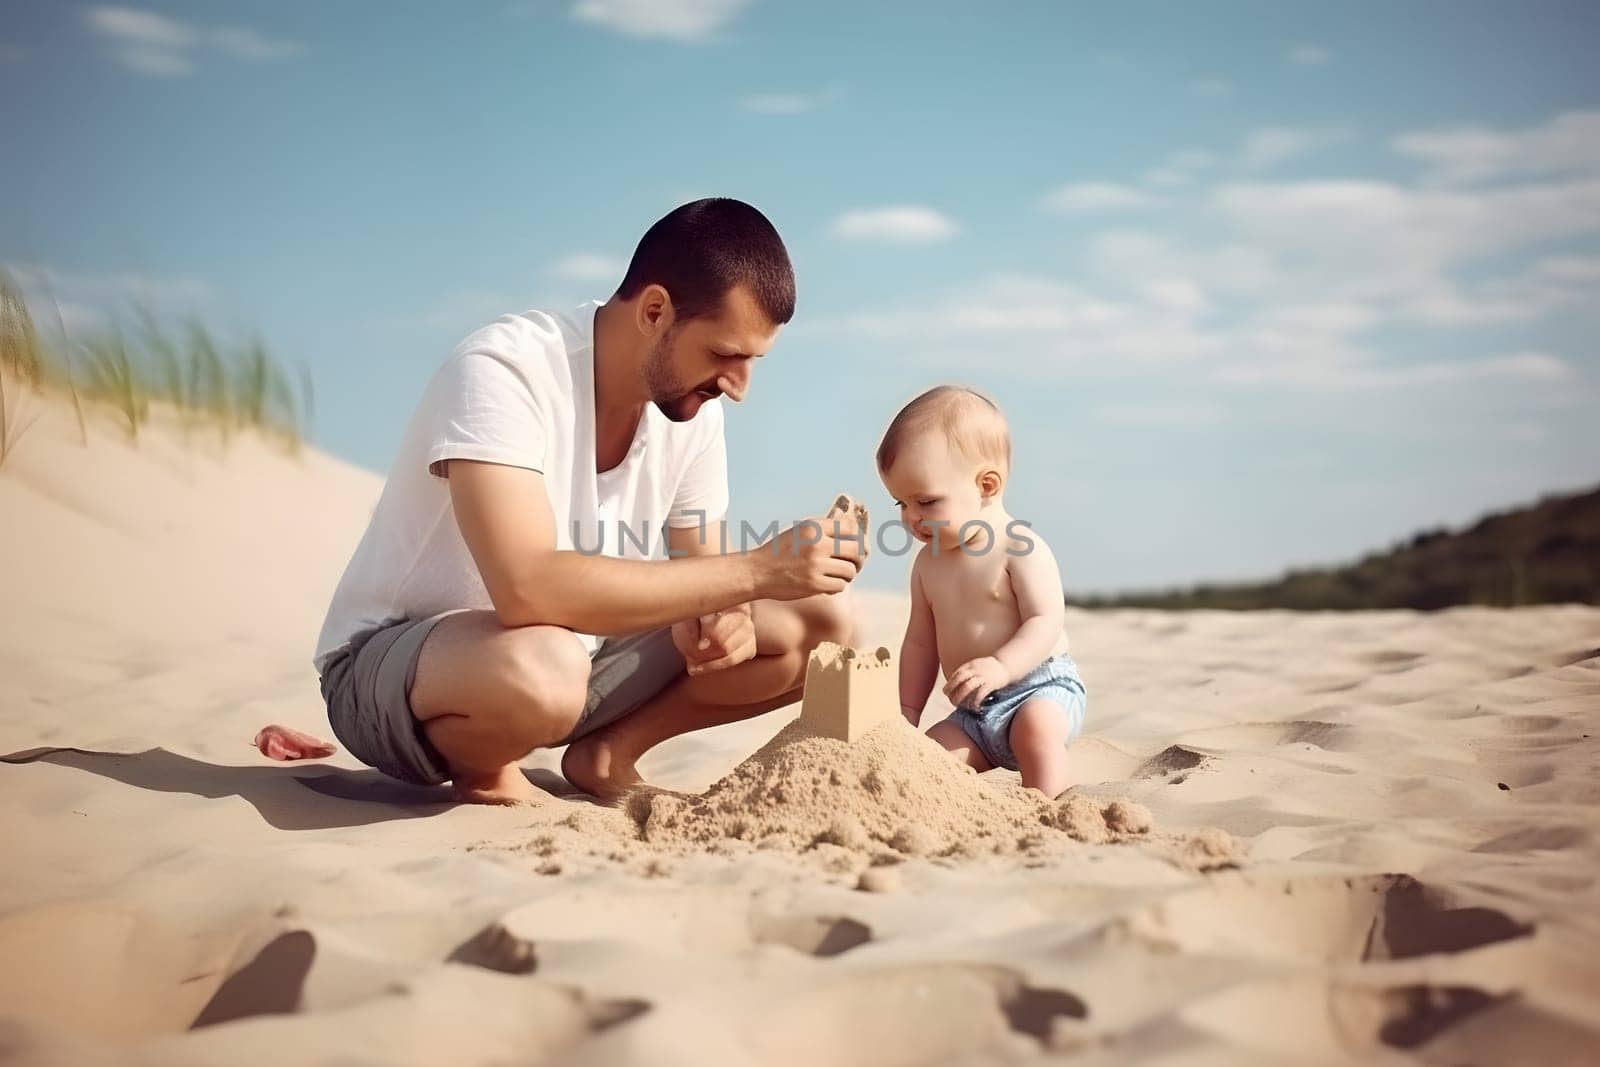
point(1379, 235)
point(906, 224)
point(1180, 168)
point(1087, 197)
point(252, 45)
point(1128, 257)
point(155, 62)
point(1309, 55)
point(1181, 296)
point(1300, 296)
point(589, 267)
point(1044, 325)
point(1165, 177)
point(163, 47)
point(1051, 327)
point(673, 20)
point(1578, 270)
point(1351, 284)
point(790, 103)
point(1425, 255)
point(1193, 158)
point(135, 27)
point(1267, 147)
point(1211, 87)
point(1533, 368)
point(1328, 319)
point(1567, 144)
point(1523, 297)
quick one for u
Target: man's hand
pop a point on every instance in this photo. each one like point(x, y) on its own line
point(717, 641)
point(812, 556)
point(974, 680)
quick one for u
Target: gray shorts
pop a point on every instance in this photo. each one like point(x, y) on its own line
point(366, 686)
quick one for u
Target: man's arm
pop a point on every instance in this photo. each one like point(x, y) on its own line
point(708, 539)
point(723, 638)
point(505, 519)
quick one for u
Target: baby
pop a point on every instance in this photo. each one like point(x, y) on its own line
point(986, 598)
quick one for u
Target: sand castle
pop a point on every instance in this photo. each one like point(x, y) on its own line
point(849, 691)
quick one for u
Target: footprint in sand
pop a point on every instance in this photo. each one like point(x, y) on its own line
point(1290, 1016)
point(1331, 736)
point(814, 935)
point(1392, 660)
point(495, 948)
point(1577, 656)
point(945, 1012)
point(1537, 839)
point(1172, 760)
point(1528, 724)
point(1319, 919)
point(270, 984)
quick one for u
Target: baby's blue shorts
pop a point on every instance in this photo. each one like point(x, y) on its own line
point(989, 726)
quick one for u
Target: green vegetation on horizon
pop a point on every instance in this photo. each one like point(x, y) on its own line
point(207, 383)
point(1547, 553)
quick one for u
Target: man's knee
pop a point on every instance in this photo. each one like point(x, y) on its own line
point(791, 627)
point(828, 617)
point(547, 677)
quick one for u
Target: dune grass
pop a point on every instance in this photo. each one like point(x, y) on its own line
point(209, 384)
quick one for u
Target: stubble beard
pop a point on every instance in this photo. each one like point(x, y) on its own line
point(666, 391)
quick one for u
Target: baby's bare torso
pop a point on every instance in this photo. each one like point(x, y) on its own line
point(974, 605)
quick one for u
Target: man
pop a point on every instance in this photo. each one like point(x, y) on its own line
point(476, 621)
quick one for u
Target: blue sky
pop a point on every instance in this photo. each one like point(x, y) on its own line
point(1258, 284)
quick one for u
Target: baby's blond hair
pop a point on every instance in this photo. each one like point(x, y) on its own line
point(970, 421)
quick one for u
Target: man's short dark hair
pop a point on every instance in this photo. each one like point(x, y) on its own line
point(700, 251)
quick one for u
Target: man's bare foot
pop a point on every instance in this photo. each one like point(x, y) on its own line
point(507, 786)
point(597, 765)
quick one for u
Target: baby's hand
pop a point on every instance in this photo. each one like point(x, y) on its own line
point(974, 680)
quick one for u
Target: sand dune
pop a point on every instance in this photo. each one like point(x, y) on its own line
point(1414, 800)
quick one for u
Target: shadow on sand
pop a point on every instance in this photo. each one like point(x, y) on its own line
point(278, 793)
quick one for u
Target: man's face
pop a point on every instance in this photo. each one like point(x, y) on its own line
point(711, 356)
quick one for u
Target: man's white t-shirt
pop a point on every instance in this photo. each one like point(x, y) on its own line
point(520, 392)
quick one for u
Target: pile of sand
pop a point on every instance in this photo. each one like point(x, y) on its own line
point(891, 794)
point(851, 810)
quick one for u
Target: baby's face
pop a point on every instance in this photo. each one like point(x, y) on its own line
point(932, 483)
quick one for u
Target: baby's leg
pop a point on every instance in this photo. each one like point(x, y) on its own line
point(1039, 739)
point(955, 740)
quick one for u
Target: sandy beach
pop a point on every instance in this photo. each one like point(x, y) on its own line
point(1309, 838)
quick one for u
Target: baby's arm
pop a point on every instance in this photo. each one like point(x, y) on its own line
point(1036, 580)
point(919, 652)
